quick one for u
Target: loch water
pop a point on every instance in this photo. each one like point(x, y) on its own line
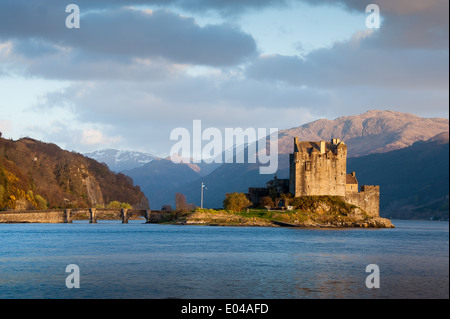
point(150, 261)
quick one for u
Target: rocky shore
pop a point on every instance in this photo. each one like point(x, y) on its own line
point(282, 219)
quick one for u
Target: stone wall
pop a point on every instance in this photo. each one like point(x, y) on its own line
point(318, 169)
point(49, 216)
point(67, 215)
point(368, 199)
point(161, 216)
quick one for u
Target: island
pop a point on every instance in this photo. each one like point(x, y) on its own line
point(312, 212)
point(318, 193)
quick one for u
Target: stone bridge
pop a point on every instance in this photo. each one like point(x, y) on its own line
point(93, 214)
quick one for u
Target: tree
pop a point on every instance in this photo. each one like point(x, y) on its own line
point(180, 202)
point(113, 205)
point(236, 202)
point(118, 205)
point(126, 206)
point(41, 202)
point(266, 201)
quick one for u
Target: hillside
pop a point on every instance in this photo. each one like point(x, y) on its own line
point(34, 175)
point(414, 181)
point(371, 132)
point(160, 177)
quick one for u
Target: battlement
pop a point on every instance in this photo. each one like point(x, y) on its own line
point(370, 188)
point(303, 148)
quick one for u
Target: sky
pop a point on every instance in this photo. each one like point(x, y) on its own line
point(136, 70)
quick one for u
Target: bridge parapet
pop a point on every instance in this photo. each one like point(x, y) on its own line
point(68, 215)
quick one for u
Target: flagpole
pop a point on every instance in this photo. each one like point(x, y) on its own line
point(201, 203)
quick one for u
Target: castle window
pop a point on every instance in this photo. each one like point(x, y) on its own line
point(308, 166)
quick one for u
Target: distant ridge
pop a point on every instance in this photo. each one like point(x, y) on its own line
point(414, 181)
point(119, 161)
point(374, 131)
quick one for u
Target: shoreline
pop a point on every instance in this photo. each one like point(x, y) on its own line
point(311, 221)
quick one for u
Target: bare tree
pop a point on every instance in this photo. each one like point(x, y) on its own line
point(180, 202)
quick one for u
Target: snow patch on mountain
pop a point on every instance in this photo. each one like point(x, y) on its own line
point(121, 160)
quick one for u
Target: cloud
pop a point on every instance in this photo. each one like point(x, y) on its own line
point(75, 65)
point(134, 74)
point(223, 7)
point(124, 33)
point(409, 51)
point(75, 135)
point(5, 125)
point(356, 64)
point(143, 114)
point(93, 137)
point(413, 24)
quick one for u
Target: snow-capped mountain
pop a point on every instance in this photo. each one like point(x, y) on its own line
point(119, 161)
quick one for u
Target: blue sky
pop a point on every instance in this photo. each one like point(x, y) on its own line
point(135, 70)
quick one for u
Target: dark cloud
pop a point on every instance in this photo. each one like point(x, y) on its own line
point(406, 23)
point(224, 7)
point(131, 33)
point(355, 64)
point(45, 60)
point(33, 48)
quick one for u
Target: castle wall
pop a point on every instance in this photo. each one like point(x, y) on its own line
point(368, 199)
point(351, 188)
point(318, 169)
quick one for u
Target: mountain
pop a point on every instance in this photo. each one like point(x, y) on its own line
point(414, 181)
point(34, 174)
point(161, 177)
point(371, 132)
point(366, 135)
point(119, 161)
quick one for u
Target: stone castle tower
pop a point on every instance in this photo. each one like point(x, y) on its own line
point(318, 168)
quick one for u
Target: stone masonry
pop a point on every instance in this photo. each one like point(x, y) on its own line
point(320, 168)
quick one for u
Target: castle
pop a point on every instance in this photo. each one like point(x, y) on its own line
point(320, 169)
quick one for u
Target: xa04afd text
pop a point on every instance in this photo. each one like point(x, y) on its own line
point(246, 308)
